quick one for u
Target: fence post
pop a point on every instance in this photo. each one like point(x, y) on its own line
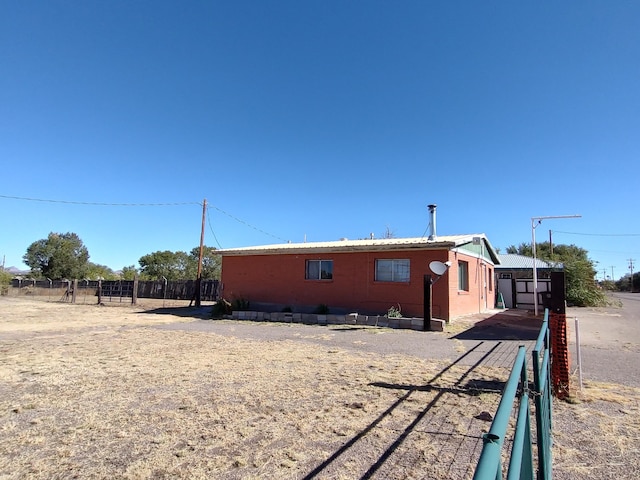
point(578, 355)
point(427, 302)
point(100, 292)
point(134, 293)
point(164, 292)
point(74, 292)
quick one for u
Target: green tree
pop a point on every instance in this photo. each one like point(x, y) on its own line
point(129, 272)
point(624, 283)
point(171, 265)
point(211, 263)
point(5, 281)
point(59, 256)
point(100, 272)
point(580, 271)
point(180, 265)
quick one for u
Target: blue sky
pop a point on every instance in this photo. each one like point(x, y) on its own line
point(318, 120)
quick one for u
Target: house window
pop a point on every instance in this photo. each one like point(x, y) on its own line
point(392, 270)
point(463, 276)
point(319, 270)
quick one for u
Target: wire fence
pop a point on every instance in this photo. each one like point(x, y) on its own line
point(111, 291)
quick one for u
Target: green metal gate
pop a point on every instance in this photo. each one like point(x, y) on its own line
point(518, 389)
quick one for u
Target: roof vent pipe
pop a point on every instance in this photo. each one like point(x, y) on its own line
point(432, 221)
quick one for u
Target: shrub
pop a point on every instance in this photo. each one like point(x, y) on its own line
point(5, 282)
point(394, 312)
point(321, 309)
point(240, 304)
point(221, 307)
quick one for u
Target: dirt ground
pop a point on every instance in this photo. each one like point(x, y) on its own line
point(109, 392)
point(98, 392)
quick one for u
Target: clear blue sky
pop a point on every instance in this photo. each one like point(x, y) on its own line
point(323, 119)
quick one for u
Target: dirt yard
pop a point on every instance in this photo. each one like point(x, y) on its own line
point(98, 392)
point(102, 392)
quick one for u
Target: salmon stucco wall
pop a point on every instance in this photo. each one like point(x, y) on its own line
point(480, 295)
point(280, 280)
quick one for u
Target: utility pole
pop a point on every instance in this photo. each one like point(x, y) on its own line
point(550, 245)
point(199, 275)
point(535, 221)
point(612, 277)
point(631, 260)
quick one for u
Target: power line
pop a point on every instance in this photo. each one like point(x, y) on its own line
point(617, 252)
point(601, 234)
point(211, 228)
point(101, 204)
point(247, 224)
point(172, 204)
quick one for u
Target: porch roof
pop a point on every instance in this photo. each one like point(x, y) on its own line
point(512, 261)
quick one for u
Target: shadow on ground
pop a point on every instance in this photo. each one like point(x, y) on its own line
point(505, 325)
point(202, 313)
point(463, 385)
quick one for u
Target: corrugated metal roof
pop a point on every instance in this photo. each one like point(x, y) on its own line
point(512, 261)
point(377, 244)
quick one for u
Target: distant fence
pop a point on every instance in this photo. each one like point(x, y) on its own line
point(86, 291)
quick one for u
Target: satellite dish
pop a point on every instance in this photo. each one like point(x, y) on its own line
point(437, 267)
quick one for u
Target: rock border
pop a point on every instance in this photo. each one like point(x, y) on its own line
point(413, 323)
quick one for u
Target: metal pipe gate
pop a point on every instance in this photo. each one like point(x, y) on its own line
point(517, 388)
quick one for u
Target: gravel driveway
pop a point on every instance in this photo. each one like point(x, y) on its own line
point(609, 337)
point(609, 341)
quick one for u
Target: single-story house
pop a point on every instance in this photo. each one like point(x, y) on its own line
point(515, 279)
point(366, 276)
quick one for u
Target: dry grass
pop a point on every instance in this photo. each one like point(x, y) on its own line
point(91, 392)
point(597, 434)
point(100, 392)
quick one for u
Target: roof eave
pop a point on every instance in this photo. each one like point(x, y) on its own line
point(297, 249)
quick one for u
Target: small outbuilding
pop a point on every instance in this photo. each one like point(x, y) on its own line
point(366, 276)
point(515, 280)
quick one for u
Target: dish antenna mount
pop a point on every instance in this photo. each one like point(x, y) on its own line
point(438, 268)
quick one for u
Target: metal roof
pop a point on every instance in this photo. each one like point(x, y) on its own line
point(378, 244)
point(512, 261)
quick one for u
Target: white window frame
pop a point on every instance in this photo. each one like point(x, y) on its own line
point(398, 271)
point(320, 270)
point(463, 276)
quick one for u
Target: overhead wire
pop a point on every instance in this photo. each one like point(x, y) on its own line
point(603, 235)
point(101, 204)
point(211, 228)
point(247, 224)
point(166, 204)
point(600, 234)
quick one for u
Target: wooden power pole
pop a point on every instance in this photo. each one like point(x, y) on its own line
point(199, 276)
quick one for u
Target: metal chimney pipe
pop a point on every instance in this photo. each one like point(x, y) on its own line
point(432, 220)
